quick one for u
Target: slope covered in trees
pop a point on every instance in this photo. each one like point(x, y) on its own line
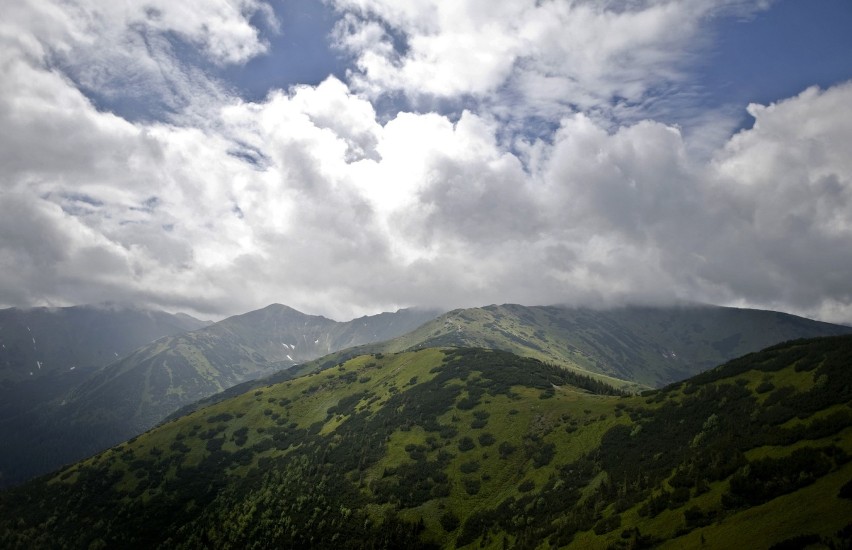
point(473, 448)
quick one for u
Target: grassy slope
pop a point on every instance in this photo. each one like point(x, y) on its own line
point(650, 346)
point(376, 449)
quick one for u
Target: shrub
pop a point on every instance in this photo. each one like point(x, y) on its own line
point(846, 490)
point(506, 449)
point(471, 486)
point(486, 439)
point(466, 444)
point(765, 387)
point(449, 521)
point(469, 467)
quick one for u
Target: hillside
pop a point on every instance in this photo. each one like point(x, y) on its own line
point(477, 449)
point(156, 379)
point(632, 348)
point(46, 352)
point(140, 389)
point(649, 346)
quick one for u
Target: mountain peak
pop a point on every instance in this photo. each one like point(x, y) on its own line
point(271, 312)
point(276, 307)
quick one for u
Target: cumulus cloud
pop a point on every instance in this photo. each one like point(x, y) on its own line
point(528, 58)
point(127, 53)
point(791, 179)
point(311, 198)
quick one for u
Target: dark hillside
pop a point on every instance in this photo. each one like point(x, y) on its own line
point(46, 352)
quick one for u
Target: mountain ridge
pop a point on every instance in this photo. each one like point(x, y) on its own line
point(649, 345)
point(48, 339)
point(529, 331)
point(473, 448)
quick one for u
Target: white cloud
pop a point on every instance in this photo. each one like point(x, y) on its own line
point(527, 57)
point(790, 177)
point(126, 51)
point(308, 198)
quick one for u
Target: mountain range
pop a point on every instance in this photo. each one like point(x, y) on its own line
point(448, 447)
point(632, 348)
point(97, 405)
point(648, 346)
point(276, 392)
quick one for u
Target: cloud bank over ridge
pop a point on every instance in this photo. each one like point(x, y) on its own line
point(316, 198)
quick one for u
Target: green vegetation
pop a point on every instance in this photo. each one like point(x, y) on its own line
point(64, 415)
point(91, 411)
point(630, 347)
point(456, 448)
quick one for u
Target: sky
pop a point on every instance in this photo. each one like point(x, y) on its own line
point(346, 157)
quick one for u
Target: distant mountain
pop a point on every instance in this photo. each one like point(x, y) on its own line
point(472, 448)
point(651, 346)
point(39, 342)
point(137, 391)
point(46, 352)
